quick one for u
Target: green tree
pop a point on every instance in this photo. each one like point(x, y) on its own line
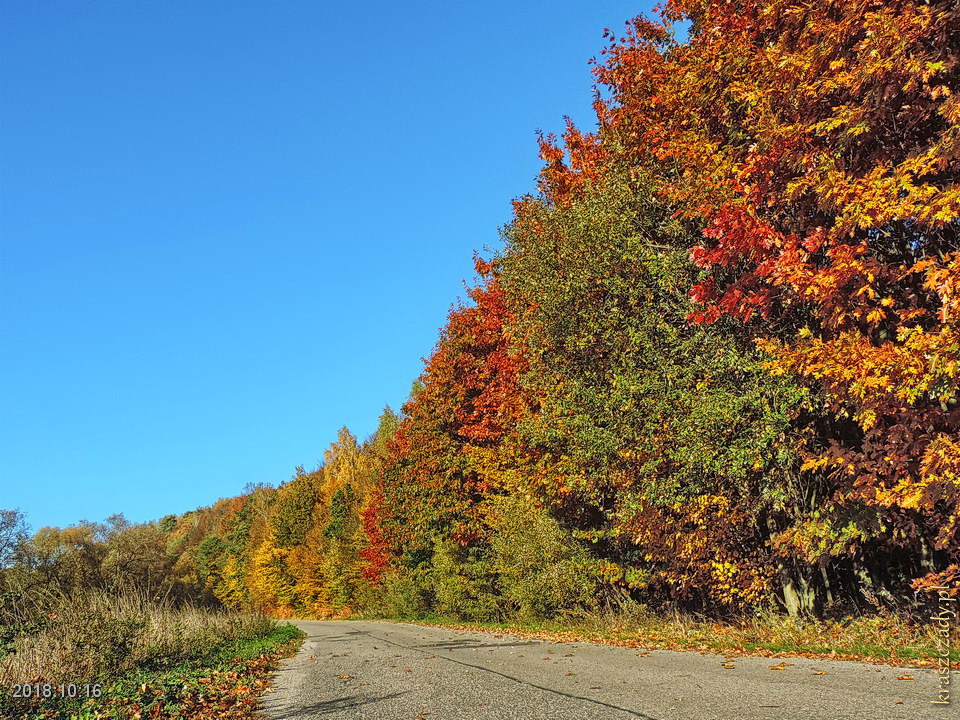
point(666, 444)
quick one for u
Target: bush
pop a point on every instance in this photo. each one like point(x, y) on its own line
point(405, 594)
point(463, 583)
point(541, 569)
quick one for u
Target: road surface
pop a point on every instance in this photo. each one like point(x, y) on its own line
point(387, 671)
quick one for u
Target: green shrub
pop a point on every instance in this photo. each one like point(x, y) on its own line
point(463, 583)
point(542, 570)
point(405, 594)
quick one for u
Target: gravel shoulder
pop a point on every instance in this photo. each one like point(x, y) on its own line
point(382, 671)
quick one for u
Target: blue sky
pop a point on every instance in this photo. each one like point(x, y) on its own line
point(229, 228)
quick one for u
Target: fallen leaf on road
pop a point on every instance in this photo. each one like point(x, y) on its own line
point(364, 682)
point(728, 666)
point(568, 673)
point(569, 655)
point(643, 654)
point(345, 677)
point(819, 672)
point(906, 677)
point(899, 702)
point(407, 670)
point(781, 666)
point(594, 687)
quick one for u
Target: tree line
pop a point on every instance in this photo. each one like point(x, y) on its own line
point(714, 366)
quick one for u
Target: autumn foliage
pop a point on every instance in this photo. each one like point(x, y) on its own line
point(815, 149)
point(715, 365)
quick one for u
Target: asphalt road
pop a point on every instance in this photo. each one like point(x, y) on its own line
point(387, 671)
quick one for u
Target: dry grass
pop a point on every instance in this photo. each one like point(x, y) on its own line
point(76, 639)
point(880, 637)
point(887, 639)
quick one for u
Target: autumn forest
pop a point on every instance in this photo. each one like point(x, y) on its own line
point(714, 366)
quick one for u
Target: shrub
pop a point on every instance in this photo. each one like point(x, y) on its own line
point(405, 594)
point(463, 583)
point(542, 570)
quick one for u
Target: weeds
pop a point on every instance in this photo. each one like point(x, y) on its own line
point(95, 635)
point(223, 683)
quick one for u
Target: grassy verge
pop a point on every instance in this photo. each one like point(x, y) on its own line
point(887, 640)
point(225, 681)
point(104, 655)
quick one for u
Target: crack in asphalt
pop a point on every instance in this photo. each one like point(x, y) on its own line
point(484, 685)
point(519, 681)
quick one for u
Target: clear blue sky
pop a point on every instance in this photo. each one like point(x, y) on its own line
point(229, 228)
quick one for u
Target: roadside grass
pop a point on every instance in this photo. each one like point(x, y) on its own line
point(70, 639)
point(225, 682)
point(879, 639)
point(142, 659)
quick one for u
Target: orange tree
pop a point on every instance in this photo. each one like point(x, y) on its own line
point(466, 400)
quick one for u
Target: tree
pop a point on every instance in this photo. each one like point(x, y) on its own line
point(13, 533)
point(828, 221)
point(465, 404)
point(666, 445)
point(292, 510)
